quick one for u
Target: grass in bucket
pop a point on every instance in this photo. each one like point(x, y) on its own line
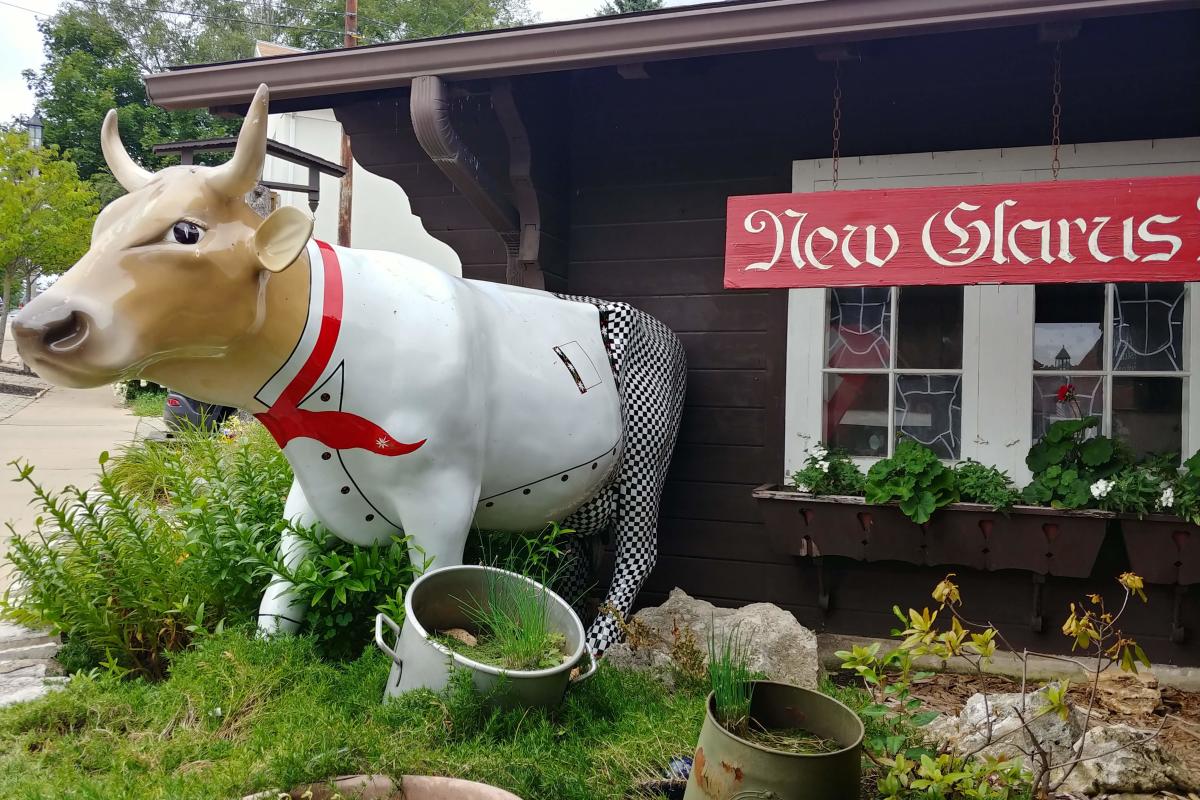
point(511, 627)
point(241, 714)
point(732, 684)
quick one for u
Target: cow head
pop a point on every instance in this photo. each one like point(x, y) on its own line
point(183, 284)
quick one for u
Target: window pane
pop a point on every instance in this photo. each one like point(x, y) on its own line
point(856, 411)
point(1048, 409)
point(1148, 327)
point(1147, 413)
point(929, 409)
point(1068, 326)
point(860, 328)
point(929, 324)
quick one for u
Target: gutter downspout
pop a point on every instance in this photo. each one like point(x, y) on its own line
point(430, 109)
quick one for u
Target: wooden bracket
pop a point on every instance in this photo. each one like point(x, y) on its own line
point(1037, 620)
point(822, 584)
point(1178, 631)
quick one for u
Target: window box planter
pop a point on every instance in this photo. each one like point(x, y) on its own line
point(1045, 541)
point(1162, 548)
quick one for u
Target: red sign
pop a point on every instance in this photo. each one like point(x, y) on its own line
point(1137, 229)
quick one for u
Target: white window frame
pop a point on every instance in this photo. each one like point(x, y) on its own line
point(997, 389)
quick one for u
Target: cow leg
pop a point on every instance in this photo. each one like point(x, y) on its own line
point(436, 516)
point(281, 609)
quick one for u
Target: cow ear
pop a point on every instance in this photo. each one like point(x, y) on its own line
point(281, 238)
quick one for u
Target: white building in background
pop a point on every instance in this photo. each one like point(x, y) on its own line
point(381, 217)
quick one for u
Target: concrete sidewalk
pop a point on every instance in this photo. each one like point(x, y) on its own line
point(61, 433)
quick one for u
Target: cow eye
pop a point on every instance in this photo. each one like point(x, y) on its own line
point(186, 232)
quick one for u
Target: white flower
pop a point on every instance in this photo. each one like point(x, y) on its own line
point(1101, 488)
point(143, 384)
point(1168, 498)
point(803, 487)
point(819, 452)
point(823, 466)
point(216, 712)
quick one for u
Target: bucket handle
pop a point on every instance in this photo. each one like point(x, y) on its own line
point(380, 619)
point(589, 672)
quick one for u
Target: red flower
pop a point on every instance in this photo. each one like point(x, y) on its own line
point(1066, 392)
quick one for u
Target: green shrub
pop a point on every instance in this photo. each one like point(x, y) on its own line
point(827, 472)
point(1068, 462)
point(345, 585)
point(148, 404)
point(135, 581)
point(914, 478)
point(979, 483)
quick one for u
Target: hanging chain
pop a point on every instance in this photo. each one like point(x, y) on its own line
point(837, 119)
point(1056, 113)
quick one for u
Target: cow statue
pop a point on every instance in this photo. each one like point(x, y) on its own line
point(405, 399)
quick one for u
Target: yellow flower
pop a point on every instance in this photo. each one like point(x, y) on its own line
point(1134, 584)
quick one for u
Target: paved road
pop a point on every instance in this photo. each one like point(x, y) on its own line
point(61, 433)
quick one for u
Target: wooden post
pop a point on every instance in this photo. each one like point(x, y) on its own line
point(345, 195)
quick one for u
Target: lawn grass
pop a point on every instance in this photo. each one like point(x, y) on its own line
point(148, 404)
point(241, 714)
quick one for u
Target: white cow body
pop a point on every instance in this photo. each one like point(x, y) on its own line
point(470, 369)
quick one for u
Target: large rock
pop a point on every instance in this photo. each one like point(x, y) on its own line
point(779, 646)
point(1118, 758)
point(969, 732)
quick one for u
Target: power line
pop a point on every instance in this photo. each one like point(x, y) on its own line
point(23, 8)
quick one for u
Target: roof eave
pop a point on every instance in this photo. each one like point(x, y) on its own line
point(663, 35)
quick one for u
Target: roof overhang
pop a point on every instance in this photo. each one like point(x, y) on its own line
point(655, 36)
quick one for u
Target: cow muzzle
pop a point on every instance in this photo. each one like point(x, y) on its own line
point(55, 331)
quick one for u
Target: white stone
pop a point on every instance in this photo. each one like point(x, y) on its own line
point(1119, 758)
point(969, 732)
point(778, 646)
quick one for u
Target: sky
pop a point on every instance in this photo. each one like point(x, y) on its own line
point(21, 44)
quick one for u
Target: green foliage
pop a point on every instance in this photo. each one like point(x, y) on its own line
point(948, 776)
point(148, 404)
point(1185, 491)
point(1068, 460)
point(137, 579)
point(730, 678)
point(914, 478)
point(1133, 489)
point(512, 622)
point(345, 585)
point(241, 715)
point(979, 483)
point(611, 7)
point(829, 472)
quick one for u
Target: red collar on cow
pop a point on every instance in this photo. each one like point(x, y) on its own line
point(339, 430)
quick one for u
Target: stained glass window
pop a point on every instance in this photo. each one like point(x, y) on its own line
point(893, 366)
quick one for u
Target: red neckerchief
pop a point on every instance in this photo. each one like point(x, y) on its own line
point(339, 430)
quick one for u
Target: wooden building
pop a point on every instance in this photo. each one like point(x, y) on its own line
point(596, 158)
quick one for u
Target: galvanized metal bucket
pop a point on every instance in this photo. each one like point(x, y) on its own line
point(730, 768)
point(435, 602)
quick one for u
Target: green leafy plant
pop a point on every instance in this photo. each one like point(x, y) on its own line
point(345, 586)
point(730, 678)
point(828, 472)
point(1181, 494)
point(913, 478)
point(1134, 489)
point(136, 580)
point(980, 483)
point(1068, 461)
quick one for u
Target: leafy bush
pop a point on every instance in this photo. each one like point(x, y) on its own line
point(979, 483)
point(828, 471)
point(1068, 461)
point(914, 478)
point(1182, 495)
point(345, 585)
point(1134, 488)
point(132, 580)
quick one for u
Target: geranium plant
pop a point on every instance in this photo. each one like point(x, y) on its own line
point(915, 479)
point(1072, 466)
point(827, 471)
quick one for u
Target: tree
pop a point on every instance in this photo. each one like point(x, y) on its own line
point(46, 216)
point(611, 7)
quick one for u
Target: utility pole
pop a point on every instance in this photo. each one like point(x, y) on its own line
point(345, 195)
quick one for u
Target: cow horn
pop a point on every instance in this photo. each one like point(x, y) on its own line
point(241, 173)
point(123, 168)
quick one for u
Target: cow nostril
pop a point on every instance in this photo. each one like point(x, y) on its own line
point(66, 334)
